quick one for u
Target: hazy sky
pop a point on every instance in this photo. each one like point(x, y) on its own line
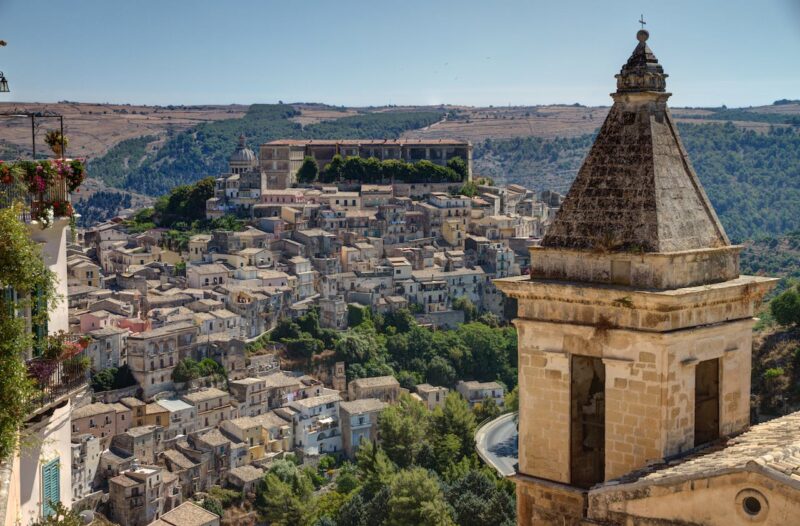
point(734, 52)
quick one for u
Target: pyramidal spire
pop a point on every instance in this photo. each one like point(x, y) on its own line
point(636, 189)
point(642, 72)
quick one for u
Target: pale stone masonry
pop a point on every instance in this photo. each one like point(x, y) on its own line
point(635, 327)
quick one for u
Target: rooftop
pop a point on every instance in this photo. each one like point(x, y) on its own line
point(636, 189)
point(205, 394)
point(189, 514)
point(376, 381)
point(363, 406)
point(90, 410)
point(773, 448)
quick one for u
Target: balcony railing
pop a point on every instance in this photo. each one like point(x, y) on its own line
point(40, 185)
point(58, 378)
point(34, 202)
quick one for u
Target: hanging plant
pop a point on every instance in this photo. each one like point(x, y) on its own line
point(61, 208)
point(45, 216)
point(54, 139)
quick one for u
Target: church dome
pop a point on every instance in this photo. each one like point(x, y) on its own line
point(243, 154)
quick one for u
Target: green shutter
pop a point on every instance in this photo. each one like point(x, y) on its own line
point(9, 301)
point(51, 487)
point(39, 329)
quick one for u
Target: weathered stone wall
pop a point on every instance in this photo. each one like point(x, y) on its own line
point(645, 310)
point(544, 400)
point(709, 501)
point(638, 269)
point(544, 503)
point(649, 391)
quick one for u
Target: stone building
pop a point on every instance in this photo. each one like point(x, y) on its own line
point(280, 160)
point(635, 339)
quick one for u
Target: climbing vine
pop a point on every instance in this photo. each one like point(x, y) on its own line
point(23, 278)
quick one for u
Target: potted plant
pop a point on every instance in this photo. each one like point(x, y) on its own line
point(55, 140)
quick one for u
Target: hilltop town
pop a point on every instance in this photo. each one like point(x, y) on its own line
point(193, 382)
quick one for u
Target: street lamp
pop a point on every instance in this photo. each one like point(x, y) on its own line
point(3, 81)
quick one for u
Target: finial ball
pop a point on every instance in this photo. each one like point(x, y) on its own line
point(642, 35)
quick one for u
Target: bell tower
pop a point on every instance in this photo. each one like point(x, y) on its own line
point(634, 325)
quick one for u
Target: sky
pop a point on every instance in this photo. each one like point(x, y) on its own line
point(376, 52)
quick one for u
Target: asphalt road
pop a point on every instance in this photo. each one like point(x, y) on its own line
point(497, 444)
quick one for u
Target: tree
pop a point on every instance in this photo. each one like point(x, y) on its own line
point(465, 305)
point(456, 418)
point(373, 467)
point(477, 500)
point(468, 189)
point(356, 347)
point(785, 307)
point(486, 409)
point(440, 372)
point(61, 516)
point(333, 170)
point(416, 498)
point(403, 428)
point(303, 347)
point(354, 169)
point(213, 505)
point(308, 171)
point(511, 400)
point(460, 167)
point(277, 502)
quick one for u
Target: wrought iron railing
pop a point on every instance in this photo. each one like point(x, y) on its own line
point(55, 379)
point(33, 202)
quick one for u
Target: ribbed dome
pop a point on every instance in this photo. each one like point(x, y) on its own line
point(243, 154)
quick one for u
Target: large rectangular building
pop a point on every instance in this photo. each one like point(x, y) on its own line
point(279, 160)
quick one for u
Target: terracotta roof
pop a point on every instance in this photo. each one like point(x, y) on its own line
point(189, 514)
point(363, 406)
point(376, 381)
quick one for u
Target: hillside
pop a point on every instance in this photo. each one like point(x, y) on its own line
point(93, 129)
point(776, 371)
point(153, 165)
point(752, 178)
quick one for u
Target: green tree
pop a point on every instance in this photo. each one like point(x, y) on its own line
point(785, 307)
point(308, 171)
point(403, 428)
point(465, 305)
point(459, 166)
point(277, 503)
point(511, 400)
point(333, 170)
point(213, 505)
point(354, 169)
point(477, 500)
point(416, 498)
point(456, 418)
point(440, 372)
point(61, 516)
point(356, 347)
point(373, 467)
point(486, 409)
point(468, 189)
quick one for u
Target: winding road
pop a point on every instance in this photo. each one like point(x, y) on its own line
point(497, 444)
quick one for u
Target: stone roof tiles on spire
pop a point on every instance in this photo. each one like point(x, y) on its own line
point(636, 189)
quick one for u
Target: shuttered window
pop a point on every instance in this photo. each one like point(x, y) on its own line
point(51, 487)
point(39, 305)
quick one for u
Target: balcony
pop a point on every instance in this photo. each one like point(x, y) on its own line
point(58, 378)
point(41, 187)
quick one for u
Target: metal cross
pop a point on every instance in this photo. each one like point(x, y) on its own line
point(641, 21)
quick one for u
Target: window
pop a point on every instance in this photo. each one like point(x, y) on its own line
point(51, 486)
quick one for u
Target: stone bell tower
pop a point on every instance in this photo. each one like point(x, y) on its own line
point(635, 325)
